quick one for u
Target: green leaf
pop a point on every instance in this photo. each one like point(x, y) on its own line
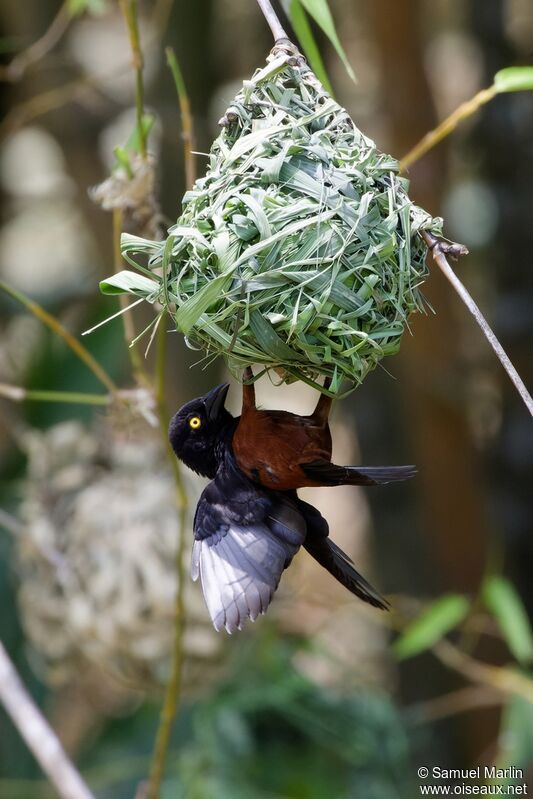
point(319, 10)
point(188, 314)
point(304, 33)
point(514, 79)
point(503, 601)
point(134, 141)
point(515, 738)
point(133, 145)
point(269, 339)
point(78, 7)
point(123, 160)
point(442, 616)
point(127, 282)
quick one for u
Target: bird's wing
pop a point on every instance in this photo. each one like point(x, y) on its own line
point(240, 552)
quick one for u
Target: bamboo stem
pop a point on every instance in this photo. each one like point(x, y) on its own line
point(129, 10)
point(127, 319)
point(15, 70)
point(37, 733)
point(187, 129)
point(173, 691)
point(448, 125)
point(500, 678)
point(438, 250)
point(19, 394)
point(55, 325)
point(272, 19)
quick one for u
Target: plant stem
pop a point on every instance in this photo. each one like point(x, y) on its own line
point(272, 19)
point(501, 678)
point(173, 691)
point(55, 325)
point(19, 394)
point(137, 366)
point(187, 130)
point(447, 126)
point(438, 250)
point(38, 734)
point(15, 70)
point(129, 10)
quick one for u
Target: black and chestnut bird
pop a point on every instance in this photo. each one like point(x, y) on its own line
point(245, 535)
point(285, 451)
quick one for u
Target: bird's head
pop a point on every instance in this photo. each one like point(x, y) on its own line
point(199, 430)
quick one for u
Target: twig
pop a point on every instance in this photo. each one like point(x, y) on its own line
point(55, 98)
point(505, 680)
point(439, 250)
point(447, 126)
point(19, 394)
point(15, 70)
point(129, 10)
point(55, 325)
point(38, 734)
point(173, 691)
point(187, 130)
point(500, 678)
point(272, 19)
point(454, 703)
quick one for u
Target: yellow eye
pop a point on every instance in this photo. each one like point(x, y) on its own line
point(195, 422)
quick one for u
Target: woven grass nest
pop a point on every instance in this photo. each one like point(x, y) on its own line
point(299, 249)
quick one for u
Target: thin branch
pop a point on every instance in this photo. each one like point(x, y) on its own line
point(129, 10)
point(15, 70)
point(54, 98)
point(173, 692)
point(272, 19)
point(505, 680)
point(19, 394)
point(439, 249)
point(39, 736)
point(55, 325)
point(187, 129)
point(451, 704)
point(446, 127)
point(500, 678)
point(49, 100)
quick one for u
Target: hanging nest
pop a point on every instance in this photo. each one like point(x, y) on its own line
point(299, 249)
point(96, 559)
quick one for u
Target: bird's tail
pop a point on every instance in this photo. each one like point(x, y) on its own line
point(325, 473)
point(338, 564)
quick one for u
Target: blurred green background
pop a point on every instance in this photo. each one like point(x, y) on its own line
point(312, 701)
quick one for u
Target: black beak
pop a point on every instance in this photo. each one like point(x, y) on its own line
point(214, 400)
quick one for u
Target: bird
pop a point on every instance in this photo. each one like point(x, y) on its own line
point(246, 535)
point(285, 451)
